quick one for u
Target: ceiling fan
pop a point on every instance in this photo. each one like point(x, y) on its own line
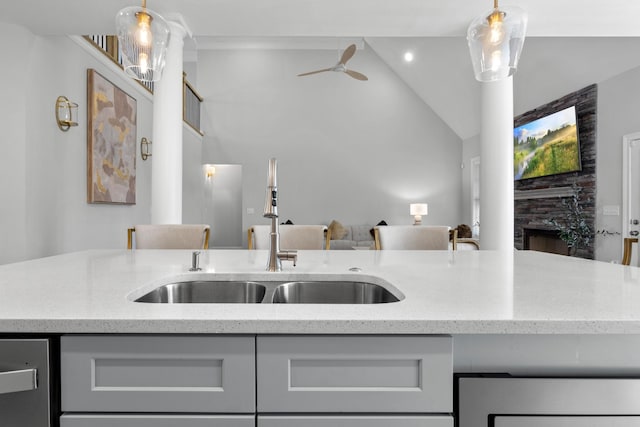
point(341, 65)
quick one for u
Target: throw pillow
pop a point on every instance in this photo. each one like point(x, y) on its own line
point(464, 231)
point(337, 230)
point(383, 222)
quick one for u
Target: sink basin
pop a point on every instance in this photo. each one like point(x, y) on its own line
point(206, 291)
point(247, 291)
point(332, 292)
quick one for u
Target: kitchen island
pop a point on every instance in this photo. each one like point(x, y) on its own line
point(466, 292)
point(520, 314)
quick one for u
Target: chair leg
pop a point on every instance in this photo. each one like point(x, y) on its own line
point(628, 247)
point(250, 238)
point(376, 238)
point(130, 237)
point(207, 234)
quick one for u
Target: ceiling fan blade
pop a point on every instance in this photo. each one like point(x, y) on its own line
point(314, 72)
point(356, 75)
point(348, 53)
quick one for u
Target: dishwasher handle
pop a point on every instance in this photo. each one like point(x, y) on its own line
point(20, 380)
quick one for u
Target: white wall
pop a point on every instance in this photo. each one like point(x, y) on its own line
point(618, 115)
point(354, 151)
point(43, 179)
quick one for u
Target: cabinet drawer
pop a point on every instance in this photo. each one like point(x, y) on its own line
point(354, 374)
point(158, 374)
point(107, 420)
point(354, 421)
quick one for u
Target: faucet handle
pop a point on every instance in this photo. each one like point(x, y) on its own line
point(288, 256)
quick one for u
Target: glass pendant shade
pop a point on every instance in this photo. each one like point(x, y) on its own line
point(495, 42)
point(143, 36)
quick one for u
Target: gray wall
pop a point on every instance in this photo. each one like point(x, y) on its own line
point(353, 151)
point(470, 149)
point(618, 115)
point(14, 42)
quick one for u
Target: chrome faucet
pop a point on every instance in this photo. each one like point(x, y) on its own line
point(271, 211)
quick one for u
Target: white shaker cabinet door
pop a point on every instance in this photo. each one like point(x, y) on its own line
point(365, 374)
point(355, 421)
point(142, 373)
point(151, 420)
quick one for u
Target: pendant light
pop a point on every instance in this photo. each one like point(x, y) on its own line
point(143, 36)
point(495, 42)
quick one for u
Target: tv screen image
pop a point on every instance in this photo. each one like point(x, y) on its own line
point(547, 146)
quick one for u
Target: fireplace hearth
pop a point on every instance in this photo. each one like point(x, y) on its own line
point(543, 240)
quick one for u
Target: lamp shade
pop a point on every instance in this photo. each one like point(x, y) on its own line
point(418, 209)
point(143, 36)
point(495, 42)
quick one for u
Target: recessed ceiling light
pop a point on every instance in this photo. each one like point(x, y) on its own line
point(408, 56)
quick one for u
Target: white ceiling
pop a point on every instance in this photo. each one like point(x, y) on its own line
point(570, 43)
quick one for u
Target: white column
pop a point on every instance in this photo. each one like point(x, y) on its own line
point(496, 165)
point(166, 172)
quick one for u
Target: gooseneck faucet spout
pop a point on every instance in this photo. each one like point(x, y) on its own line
point(271, 199)
point(271, 211)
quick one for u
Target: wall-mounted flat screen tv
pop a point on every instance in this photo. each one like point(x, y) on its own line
point(547, 146)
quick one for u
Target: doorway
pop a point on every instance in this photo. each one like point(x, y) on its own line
point(222, 207)
point(631, 188)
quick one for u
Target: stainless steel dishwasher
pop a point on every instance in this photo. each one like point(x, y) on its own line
point(510, 401)
point(25, 383)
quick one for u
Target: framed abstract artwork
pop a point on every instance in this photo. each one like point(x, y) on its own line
point(111, 142)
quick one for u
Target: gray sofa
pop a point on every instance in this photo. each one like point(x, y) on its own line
point(358, 236)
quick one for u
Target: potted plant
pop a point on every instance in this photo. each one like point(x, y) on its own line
point(573, 228)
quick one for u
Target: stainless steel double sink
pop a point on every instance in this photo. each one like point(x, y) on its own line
point(271, 292)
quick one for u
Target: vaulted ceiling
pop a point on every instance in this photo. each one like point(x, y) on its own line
point(570, 44)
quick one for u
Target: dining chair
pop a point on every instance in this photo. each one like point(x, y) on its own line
point(292, 237)
point(168, 236)
point(411, 237)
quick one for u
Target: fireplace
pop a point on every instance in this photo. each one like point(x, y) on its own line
point(543, 240)
point(541, 199)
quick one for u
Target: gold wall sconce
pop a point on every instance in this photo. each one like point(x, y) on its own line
point(145, 148)
point(209, 171)
point(66, 112)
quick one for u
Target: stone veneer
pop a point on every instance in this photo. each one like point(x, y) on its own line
point(530, 213)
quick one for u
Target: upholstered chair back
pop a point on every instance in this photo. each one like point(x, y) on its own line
point(412, 237)
point(292, 237)
point(168, 236)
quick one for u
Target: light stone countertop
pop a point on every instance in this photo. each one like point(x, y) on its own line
point(464, 292)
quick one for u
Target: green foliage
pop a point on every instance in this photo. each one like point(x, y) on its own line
point(573, 229)
point(518, 157)
point(555, 157)
point(556, 152)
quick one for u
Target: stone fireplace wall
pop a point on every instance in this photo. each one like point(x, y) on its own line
point(535, 200)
